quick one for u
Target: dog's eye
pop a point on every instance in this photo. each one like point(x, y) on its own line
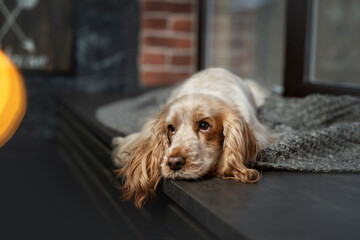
point(171, 129)
point(204, 126)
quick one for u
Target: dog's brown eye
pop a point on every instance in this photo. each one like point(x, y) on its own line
point(204, 126)
point(171, 129)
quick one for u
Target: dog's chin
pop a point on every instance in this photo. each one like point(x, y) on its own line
point(185, 174)
point(195, 168)
point(179, 175)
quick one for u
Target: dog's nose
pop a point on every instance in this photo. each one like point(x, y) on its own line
point(176, 163)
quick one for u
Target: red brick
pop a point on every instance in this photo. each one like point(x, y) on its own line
point(153, 23)
point(182, 60)
point(153, 58)
point(162, 78)
point(167, 7)
point(168, 42)
point(184, 25)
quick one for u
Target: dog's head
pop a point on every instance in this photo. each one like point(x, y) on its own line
point(193, 136)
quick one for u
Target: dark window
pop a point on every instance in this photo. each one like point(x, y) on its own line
point(322, 47)
point(245, 37)
point(293, 47)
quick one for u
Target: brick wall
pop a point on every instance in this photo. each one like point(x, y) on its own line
point(168, 41)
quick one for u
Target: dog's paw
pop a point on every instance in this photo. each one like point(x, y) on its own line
point(117, 141)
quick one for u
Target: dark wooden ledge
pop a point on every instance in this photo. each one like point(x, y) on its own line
point(283, 205)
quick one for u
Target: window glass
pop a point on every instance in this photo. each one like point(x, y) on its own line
point(335, 42)
point(247, 37)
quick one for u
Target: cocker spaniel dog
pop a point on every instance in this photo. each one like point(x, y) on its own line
point(208, 126)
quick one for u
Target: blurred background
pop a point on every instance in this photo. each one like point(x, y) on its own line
point(90, 46)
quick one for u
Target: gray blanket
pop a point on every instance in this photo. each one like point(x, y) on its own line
point(322, 132)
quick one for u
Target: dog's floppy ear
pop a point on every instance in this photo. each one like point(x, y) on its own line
point(239, 149)
point(141, 173)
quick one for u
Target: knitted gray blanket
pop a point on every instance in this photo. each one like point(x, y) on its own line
point(322, 132)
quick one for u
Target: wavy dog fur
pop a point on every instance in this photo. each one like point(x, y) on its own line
point(208, 126)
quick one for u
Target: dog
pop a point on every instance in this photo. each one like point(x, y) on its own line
point(207, 127)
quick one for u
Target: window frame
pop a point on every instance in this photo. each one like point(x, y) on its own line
point(297, 47)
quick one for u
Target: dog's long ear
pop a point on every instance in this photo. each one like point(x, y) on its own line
point(141, 174)
point(239, 149)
